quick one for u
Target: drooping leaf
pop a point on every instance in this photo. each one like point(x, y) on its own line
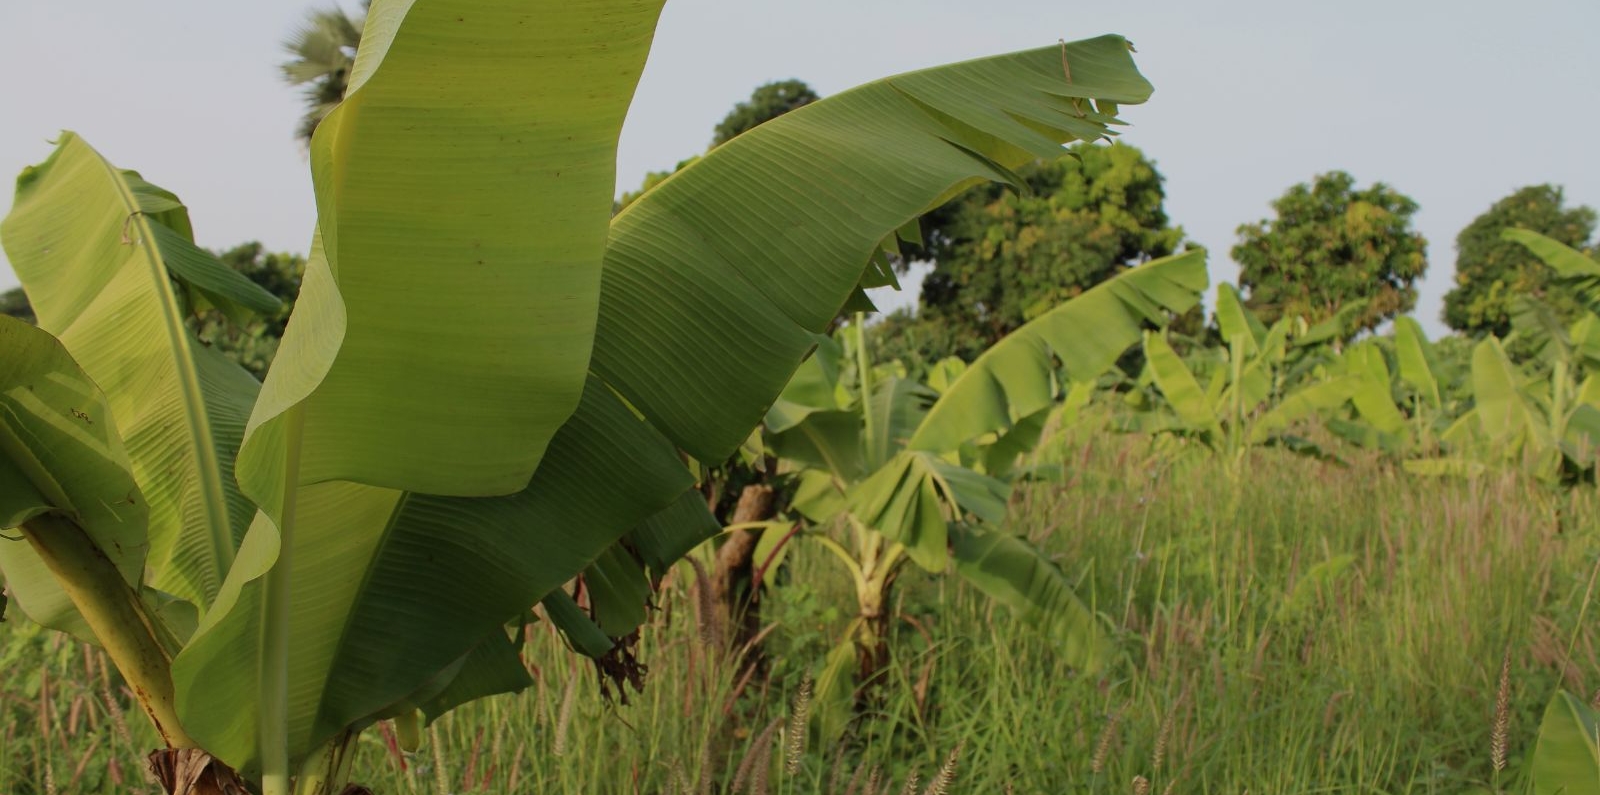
point(900, 501)
point(580, 631)
point(108, 259)
point(825, 440)
point(668, 535)
point(1537, 326)
point(60, 453)
point(818, 496)
point(913, 498)
point(491, 668)
point(1013, 572)
point(1304, 403)
point(1014, 378)
point(1573, 270)
point(756, 245)
point(810, 389)
point(618, 591)
point(833, 697)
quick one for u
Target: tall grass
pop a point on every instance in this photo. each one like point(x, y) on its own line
point(1289, 626)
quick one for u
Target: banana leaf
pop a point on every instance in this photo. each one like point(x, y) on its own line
point(1179, 387)
point(111, 269)
point(1574, 271)
point(1013, 572)
point(1415, 360)
point(1015, 379)
point(756, 245)
point(60, 453)
point(1566, 759)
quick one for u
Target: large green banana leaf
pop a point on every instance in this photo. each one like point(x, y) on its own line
point(1415, 360)
point(1311, 400)
point(756, 245)
point(1374, 398)
point(1234, 321)
point(1015, 379)
point(110, 268)
point(392, 588)
point(463, 188)
point(916, 496)
point(1012, 571)
point(1566, 759)
point(899, 406)
point(1179, 387)
point(1574, 270)
point(1504, 414)
point(813, 387)
point(1537, 327)
point(60, 452)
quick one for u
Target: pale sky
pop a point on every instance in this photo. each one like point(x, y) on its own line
point(1454, 103)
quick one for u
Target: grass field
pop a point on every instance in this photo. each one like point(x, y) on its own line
point(1289, 626)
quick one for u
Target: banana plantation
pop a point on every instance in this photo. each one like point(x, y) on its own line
point(544, 492)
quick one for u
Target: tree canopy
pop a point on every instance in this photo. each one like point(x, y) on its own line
point(254, 343)
point(1002, 256)
point(14, 302)
point(1491, 271)
point(767, 102)
point(1331, 244)
point(323, 50)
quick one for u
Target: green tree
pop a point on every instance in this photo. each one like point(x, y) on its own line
point(254, 342)
point(1490, 271)
point(1331, 244)
point(1002, 257)
point(324, 50)
point(14, 302)
point(251, 341)
point(767, 102)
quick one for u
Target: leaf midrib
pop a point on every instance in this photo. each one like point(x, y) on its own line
point(201, 441)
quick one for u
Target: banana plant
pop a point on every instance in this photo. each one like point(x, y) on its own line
point(890, 471)
point(1574, 270)
point(1247, 399)
point(488, 386)
point(1546, 421)
point(1548, 425)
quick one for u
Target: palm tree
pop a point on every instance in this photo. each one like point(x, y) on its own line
point(324, 49)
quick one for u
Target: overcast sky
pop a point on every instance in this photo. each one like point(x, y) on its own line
point(1454, 103)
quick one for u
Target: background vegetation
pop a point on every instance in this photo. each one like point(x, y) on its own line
point(1380, 594)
